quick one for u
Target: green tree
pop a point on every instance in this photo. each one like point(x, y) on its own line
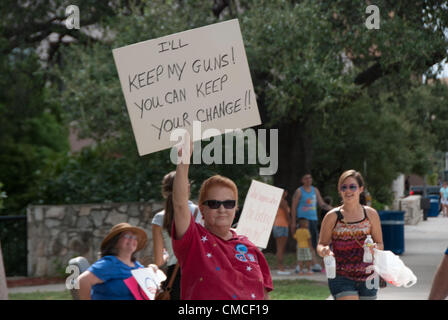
point(93, 100)
point(341, 95)
point(30, 127)
point(313, 61)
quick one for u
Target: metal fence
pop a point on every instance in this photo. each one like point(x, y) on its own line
point(13, 239)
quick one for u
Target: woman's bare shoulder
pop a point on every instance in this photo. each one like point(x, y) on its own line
point(371, 212)
point(332, 214)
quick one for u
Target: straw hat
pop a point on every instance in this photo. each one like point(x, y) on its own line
point(124, 227)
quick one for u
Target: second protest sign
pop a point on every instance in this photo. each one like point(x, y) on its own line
point(259, 211)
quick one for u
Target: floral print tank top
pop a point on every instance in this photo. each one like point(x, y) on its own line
point(347, 251)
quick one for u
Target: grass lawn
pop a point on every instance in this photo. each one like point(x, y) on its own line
point(299, 290)
point(289, 260)
point(57, 295)
point(283, 290)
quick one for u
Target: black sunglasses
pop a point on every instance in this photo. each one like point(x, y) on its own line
point(215, 204)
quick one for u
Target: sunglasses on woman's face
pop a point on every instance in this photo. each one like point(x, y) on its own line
point(352, 187)
point(215, 204)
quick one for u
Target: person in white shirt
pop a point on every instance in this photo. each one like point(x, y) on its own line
point(161, 235)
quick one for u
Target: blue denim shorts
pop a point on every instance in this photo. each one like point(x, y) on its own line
point(280, 231)
point(342, 287)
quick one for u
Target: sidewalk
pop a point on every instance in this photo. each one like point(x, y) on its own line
point(317, 276)
point(425, 244)
point(41, 288)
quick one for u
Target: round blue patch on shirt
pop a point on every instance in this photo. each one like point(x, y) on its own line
point(241, 248)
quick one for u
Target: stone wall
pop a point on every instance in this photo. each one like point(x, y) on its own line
point(411, 206)
point(58, 233)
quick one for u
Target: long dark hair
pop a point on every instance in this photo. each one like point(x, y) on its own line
point(167, 193)
point(110, 248)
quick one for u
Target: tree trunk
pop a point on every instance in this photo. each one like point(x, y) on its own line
point(294, 160)
point(295, 155)
point(3, 287)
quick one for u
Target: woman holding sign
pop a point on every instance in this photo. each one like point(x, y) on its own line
point(216, 263)
point(104, 280)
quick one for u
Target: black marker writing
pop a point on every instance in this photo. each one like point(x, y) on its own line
point(168, 125)
point(171, 45)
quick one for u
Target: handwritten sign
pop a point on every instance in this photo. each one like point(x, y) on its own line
point(148, 280)
point(135, 289)
point(259, 211)
point(196, 75)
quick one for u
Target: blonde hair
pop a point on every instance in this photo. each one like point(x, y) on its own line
point(214, 181)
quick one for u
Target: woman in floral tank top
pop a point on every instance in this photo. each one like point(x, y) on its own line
point(343, 232)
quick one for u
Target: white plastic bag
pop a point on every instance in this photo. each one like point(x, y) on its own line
point(390, 267)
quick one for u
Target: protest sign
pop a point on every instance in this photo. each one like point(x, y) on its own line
point(135, 289)
point(196, 75)
point(148, 280)
point(259, 211)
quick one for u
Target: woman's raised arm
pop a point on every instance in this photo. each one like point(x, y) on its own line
point(182, 214)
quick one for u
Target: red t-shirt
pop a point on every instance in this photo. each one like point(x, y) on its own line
point(217, 269)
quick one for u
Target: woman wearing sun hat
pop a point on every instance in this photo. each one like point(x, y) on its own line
point(104, 280)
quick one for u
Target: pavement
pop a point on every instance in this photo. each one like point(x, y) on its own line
point(425, 244)
point(42, 288)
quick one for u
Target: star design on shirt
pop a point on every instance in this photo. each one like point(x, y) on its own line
point(248, 268)
point(204, 238)
point(253, 296)
point(209, 255)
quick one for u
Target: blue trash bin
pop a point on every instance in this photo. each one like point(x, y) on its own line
point(434, 208)
point(392, 226)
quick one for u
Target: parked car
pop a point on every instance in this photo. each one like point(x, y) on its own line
point(430, 190)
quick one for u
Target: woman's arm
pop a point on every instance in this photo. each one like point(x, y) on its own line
point(182, 214)
point(377, 234)
point(86, 281)
point(158, 245)
point(439, 289)
point(321, 201)
point(294, 204)
point(284, 205)
point(326, 229)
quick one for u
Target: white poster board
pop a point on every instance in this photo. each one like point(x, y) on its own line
point(196, 75)
point(259, 211)
point(148, 280)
